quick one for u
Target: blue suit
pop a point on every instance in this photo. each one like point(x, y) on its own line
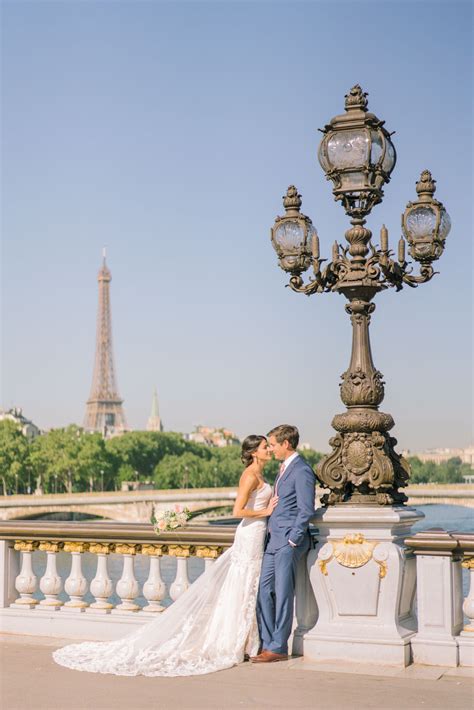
point(289, 521)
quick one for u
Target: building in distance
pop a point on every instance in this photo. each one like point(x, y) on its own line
point(442, 455)
point(154, 420)
point(212, 436)
point(15, 414)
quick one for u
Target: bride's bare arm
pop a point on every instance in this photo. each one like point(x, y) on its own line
point(247, 484)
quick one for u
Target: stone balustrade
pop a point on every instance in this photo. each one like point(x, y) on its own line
point(40, 597)
point(35, 603)
point(443, 638)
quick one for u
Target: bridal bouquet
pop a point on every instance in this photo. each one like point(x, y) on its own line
point(166, 520)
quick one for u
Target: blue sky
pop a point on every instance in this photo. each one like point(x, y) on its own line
point(169, 131)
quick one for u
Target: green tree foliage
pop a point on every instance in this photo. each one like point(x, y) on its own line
point(70, 459)
point(13, 458)
point(451, 471)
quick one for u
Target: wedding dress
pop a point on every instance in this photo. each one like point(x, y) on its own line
point(209, 628)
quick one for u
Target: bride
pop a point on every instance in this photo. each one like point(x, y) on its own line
point(213, 625)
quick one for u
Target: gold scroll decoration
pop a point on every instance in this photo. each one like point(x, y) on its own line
point(181, 550)
point(72, 546)
point(154, 550)
point(26, 545)
point(209, 552)
point(354, 551)
point(48, 546)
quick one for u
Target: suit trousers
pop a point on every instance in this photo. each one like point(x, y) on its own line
point(276, 596)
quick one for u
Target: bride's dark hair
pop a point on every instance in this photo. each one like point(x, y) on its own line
point(249, 446)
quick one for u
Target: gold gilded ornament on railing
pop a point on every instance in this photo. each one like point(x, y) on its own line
point(154, 550)
point(50, 546)
point(26, 545)
point(353, 551)
point(181, 550)
point(468, 563)
point(210, 552)
point(73, 546)
point(101, 548)
point(126, 549)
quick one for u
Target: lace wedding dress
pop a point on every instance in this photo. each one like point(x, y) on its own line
point(209, 628)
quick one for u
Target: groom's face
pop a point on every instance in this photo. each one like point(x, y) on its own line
point(280, 451)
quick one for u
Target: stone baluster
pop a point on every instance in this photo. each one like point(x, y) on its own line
point(26, 583)
point(439, 597)
point(76, 583)
point(101, 586)
point(127, 586)
point(181, 582)
point(154, 589)
point(209, 553)
point(51, 583)
point(466, 637)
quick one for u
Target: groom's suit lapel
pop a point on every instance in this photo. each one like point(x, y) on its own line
point(288, 471)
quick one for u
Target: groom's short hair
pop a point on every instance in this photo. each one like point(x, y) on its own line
point(286, 432)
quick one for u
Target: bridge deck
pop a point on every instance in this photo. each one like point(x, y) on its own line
point(30, 679)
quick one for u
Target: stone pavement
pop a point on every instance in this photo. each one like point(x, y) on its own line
point(30, 680)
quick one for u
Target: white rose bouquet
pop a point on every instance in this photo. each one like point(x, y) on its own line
point(167, 520)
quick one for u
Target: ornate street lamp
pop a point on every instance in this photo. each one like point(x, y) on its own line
point(358, 156)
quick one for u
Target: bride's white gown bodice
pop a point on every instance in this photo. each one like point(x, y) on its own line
point(207, 629)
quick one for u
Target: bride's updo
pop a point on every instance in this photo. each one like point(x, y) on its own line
point(249, 446)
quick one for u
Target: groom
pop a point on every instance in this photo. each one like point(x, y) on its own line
point(287, 540)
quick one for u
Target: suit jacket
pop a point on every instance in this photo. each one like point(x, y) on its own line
point(290, 519)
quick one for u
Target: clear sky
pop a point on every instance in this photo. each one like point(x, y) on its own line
point(169, 131)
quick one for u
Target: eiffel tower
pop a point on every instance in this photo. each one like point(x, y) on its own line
point(104, 412)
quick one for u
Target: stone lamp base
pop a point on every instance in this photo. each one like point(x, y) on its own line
point(364, 581)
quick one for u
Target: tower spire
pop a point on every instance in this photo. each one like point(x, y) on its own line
point(104, 412)
point(154, 421)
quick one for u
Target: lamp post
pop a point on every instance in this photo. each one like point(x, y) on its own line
point(358, 156)
point(362, 575)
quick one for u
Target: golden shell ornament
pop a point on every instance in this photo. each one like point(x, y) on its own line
point(353, 551)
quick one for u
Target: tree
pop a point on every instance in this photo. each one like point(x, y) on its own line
point(55, 460)
point(14, 458)
point(143, 450)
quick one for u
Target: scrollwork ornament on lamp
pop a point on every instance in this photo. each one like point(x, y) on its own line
point(358, 156)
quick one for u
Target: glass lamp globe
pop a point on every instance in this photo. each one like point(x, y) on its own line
point(292, 234)
point(358, 155)
point(425, 223)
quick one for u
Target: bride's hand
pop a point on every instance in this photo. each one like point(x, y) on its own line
point(271, 505)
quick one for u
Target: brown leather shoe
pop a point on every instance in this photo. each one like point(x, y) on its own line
point(269, 657)
point(252, 658)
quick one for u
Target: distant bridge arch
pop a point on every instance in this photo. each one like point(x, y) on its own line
point(137, 506)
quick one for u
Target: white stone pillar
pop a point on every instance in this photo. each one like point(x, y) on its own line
point(363, 580)
point(439, 598)
point(154, 589)
point(181, 581)
point(466, 638)
point(9, 570)
point(209, 553)
point(101, 586)
point(306, 609)
point(51, 583)
point(127, 586)
point(76, 583)
point(26, 583)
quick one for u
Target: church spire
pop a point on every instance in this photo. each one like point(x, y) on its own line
point(154, 421)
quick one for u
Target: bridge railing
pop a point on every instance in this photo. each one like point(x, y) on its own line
point(443, 637)
point(41, 592)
